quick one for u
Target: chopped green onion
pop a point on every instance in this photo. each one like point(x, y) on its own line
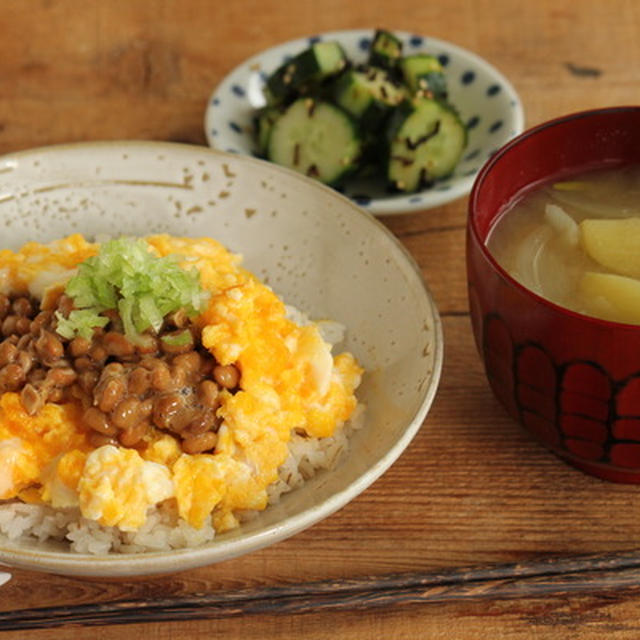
point(80, 322)
point(149, 312)
point(125, 309)
point(143, 287)
point(180, 339)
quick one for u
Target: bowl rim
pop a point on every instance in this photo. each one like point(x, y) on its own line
point(158, 562)
point(398, 204)
point(472, 225)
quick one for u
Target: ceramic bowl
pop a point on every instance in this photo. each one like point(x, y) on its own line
point(315, 248)
point(571, 380)
point(487, 102)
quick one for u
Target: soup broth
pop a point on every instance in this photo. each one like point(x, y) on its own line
point(576, 242)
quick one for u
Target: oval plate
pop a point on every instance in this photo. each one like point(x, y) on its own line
point(485, 99)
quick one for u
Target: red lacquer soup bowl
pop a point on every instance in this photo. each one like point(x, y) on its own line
point(573, 381)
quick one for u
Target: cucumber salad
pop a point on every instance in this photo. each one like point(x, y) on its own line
point(388, 118)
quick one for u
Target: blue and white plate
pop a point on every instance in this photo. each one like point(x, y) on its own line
point(485, 99)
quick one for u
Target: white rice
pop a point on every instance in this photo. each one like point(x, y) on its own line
point(163, 530)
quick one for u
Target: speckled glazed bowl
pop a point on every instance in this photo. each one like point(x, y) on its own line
point(571, 380)
point(317, 250)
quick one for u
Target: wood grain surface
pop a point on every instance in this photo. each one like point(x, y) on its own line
point(472, 490)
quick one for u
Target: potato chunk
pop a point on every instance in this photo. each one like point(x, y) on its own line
point(615, 244)
point(611, 296)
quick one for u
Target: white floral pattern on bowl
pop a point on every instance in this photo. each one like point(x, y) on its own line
point(487, 102)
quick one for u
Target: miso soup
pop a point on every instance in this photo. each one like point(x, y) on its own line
point(576, 242)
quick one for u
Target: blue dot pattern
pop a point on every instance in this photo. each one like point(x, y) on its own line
point(469, 79)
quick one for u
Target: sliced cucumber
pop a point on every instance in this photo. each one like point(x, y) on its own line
point(264, 121)
point(368, 95)
point(426, 140)
point(317, 139)
point(385, 50)
point(424, 74)
point(328, 118)
point(298, 75)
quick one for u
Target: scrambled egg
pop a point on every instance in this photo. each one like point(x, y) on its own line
point(289, 380)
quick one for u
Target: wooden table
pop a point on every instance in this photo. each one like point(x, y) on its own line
point(472, 490)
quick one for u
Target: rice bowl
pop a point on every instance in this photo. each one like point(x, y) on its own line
point(312, 247)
